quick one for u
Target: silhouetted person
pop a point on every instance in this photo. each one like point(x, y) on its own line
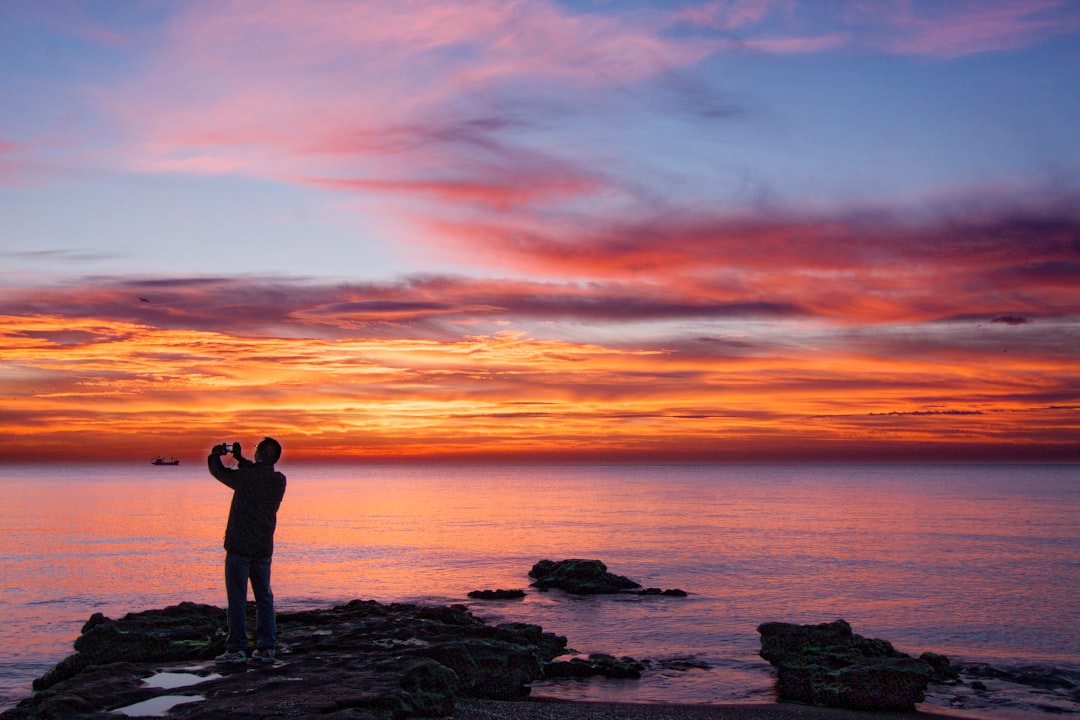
point(249, 544)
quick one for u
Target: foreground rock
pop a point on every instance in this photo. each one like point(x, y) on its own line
point(359, 660)
point(828, 665)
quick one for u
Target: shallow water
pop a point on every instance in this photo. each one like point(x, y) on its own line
point(976, 562)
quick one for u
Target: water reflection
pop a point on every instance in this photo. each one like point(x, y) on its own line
point(158, 706)
point(970, 562)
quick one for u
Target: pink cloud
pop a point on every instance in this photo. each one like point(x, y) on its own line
point(956, 29)
point(910, 27)
point(496, 189)
point(269, 87)
point(463, 108)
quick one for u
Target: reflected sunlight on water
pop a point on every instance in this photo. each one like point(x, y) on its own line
point(976, 562)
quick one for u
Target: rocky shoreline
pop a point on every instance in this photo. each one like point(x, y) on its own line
point(371, 661)
point(358, 660)
point(389, 661)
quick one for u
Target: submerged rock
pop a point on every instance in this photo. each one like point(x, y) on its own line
point(829, 665)
point(359, 659)
point(671, 592)
point(497, 594)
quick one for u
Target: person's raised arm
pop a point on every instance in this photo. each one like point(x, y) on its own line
point(218, 469)
point(236, 453)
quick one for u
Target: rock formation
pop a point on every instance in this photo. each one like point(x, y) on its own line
point(587, 577)
point(829, 665)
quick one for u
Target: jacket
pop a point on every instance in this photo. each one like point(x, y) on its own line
point(257, 493)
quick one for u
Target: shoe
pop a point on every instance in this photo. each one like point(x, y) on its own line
point(237, 656)
point(267, 656)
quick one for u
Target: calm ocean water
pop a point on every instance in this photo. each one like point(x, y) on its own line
point(981, 563)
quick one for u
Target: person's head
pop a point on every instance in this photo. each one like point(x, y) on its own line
point(268, 451)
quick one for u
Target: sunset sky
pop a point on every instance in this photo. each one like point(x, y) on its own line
point(634, 230)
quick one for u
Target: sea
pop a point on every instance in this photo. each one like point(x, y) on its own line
point(980, 563)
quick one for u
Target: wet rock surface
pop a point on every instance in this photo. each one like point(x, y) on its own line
point(1025, 688)
point(596, 664)
point(830, 666)
point(359, 660)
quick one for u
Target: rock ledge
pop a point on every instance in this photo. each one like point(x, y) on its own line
point(358, 660)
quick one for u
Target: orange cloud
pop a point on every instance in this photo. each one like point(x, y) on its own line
point(83, 387)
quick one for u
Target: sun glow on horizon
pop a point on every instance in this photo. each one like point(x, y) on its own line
point(94, 388)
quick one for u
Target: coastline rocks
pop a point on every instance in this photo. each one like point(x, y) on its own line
point(361, 659)
point(828, 665)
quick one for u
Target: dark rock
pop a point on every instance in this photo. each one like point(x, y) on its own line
point(1042, 677)
point(488, 668)
point(829, 665)
point(187, 631)
point(497, 594)
point(680, 664)
point(597, 664)
point(674, 592)
point(579, 577)
point(359, 660)
point(943, 669)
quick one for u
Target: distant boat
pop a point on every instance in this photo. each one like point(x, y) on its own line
point(162, 461)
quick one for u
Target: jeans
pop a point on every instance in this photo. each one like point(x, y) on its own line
point(238, 571)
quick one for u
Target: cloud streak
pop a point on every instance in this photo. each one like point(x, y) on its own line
point(863, 268)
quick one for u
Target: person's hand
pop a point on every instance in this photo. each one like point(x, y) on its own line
point(218, 450)
point(236, 449)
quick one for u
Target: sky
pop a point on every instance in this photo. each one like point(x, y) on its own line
point(541, 230)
